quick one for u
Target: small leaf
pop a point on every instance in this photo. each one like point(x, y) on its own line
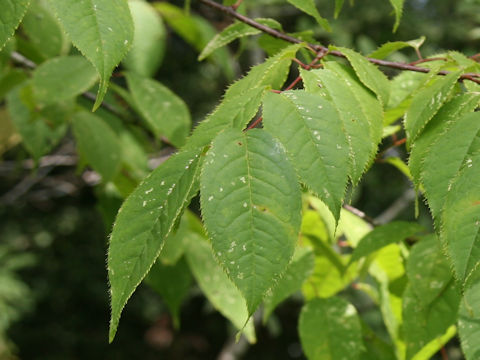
point(233, 111)
point(330, 329)
point(424, 325)
point(308, 7)
point(297, 272)
point(10, 17)
point(445, 158)
point(216, 286)
point(251, 208)
point(143, 222)
point(440, 124)
point(338, 7)
point(172, 282)
point(469, 317)
point(101, 29)
point(356, 123)
point(461, 217)
point(243, 98)
point(428, 270)
point(233, 32)
point(398, 7)
point(312, 132)
point(49, 79)
point(148, 48)
point(97, 143)
point(369, 74)
point(384, 235)
point(426, 103)
point(386, 49)
point(165, 113)
point(40, 24)
point(40, 130)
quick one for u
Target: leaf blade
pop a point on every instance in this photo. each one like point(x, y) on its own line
point(10, 17)
point(156, 204)
point(253, 235)
point(312, 132)
point(330, 329)
point(101, 29)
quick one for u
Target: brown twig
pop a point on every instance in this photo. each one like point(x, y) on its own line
point(319, 48)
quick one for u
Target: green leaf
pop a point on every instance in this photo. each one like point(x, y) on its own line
point(368, 74)
point(330, 329)
point(143, 222)
point(427, 326)
point(251, 208)
point(312, 132)
point(369, 104)
point(40, 130)
point(355, 121)
point(273, 72)
point(233, 111)
point(428, 270)
point(398, 7)
point(460, 218)
point(440, 124)
point(97, 143)
point(172, 282)
point(216, 285)
point(10, 79)
point(426, 103)
point(49, 79)
point(10, 17)
point(165, 113)
point(469, 317)
point(233, 32)
point(297, 272)
point(308, 7)
point(384, 235)
point(148, 48)
point(243, 98)
point(338, 7)
point(386, 49)
point(40, 24)
point(101, 29)
point(445, 158)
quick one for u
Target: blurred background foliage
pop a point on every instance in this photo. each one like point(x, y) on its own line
point(54, 220)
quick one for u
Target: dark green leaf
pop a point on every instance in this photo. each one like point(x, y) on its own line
point(426, 103)
point(251, 208)
point(101, 29)
point(10, 17)
point(312, 132)
point(309, 7)
point(172, 282)
point(469, 317)
point(143, 222)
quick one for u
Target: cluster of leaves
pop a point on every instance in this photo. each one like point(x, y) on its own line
point(271, 198)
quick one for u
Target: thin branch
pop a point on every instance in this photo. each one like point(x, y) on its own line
point(319, 48)
point(360, 214)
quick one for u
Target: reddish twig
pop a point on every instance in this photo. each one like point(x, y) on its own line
point(443, 351)
point(319, 48)
point(255, 123)
point(237, 4)
point(421, 61)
